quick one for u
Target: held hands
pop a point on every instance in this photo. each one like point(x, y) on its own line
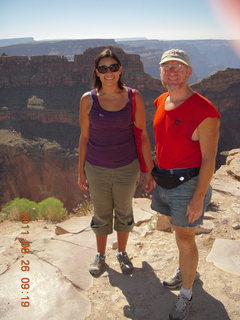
point(195, 210)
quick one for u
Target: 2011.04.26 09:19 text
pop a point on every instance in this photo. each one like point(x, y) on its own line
point(25, 263)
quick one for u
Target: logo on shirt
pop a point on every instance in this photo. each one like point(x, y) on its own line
point(101, 115)
point(177, 122)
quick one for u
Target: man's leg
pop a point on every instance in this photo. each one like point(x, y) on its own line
point(188, 254)
point(188, 260)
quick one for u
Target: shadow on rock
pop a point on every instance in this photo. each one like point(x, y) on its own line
point(149, 300)
point(213, 207)
point(206, 306)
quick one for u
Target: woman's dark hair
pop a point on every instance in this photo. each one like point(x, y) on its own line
point(107, 53)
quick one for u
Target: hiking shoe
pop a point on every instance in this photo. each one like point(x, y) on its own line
point(125, 263)
point(175, 282)
point(181, 309)
point(98, 266)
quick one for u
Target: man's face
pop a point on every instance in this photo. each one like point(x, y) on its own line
point(174, 75)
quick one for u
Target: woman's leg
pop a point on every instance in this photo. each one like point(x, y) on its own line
point(122, 241)
point(101, 243)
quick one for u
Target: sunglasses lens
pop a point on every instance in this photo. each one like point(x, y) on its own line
point(113, 68)
point(102, 69)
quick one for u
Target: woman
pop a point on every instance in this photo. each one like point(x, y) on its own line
point(108, 161)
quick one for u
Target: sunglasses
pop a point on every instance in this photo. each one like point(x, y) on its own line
point(104, 69)
point(175, 67)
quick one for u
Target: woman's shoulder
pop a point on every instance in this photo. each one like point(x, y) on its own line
point(86, 100)
point(88, 93)
point(87, 96)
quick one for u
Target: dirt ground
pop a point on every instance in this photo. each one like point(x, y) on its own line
point(141, 296)
point(155, 257)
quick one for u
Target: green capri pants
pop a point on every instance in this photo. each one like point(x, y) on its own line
point(111, 191)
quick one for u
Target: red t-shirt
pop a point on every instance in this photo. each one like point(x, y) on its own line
point(173, 130)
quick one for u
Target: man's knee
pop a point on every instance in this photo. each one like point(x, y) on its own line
point(185, 238)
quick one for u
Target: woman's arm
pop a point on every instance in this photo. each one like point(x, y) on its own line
point(140, 122)
point(85, 108)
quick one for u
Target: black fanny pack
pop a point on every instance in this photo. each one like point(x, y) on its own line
point(172, 180)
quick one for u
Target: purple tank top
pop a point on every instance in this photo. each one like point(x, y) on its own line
point(111, 143)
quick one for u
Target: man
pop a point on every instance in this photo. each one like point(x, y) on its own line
point(186, 130)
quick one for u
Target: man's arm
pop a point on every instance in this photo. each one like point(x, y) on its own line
point(208, 135)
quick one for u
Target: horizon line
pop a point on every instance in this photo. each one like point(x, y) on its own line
point(119, 39)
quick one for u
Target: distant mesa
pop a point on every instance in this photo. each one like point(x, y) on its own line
point(131, 39)
point(13, 41)
point(207, 56)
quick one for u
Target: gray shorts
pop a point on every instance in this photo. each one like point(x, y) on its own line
point(111, 191)
point(174, 202)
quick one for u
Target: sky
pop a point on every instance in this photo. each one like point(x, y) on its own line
point(153, 19)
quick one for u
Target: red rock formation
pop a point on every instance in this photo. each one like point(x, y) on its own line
point(37, 170)
point(55, 71)
point(223, 89)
